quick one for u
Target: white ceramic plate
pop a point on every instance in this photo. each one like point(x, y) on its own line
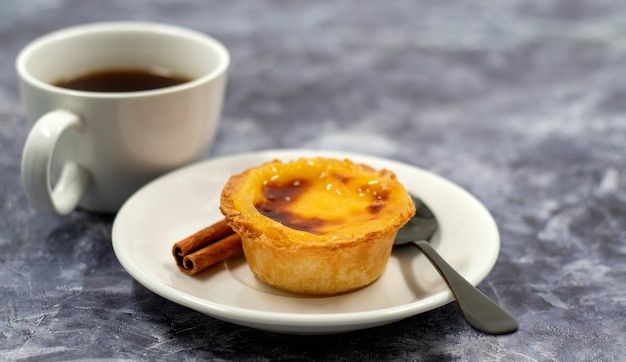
point(184, 201)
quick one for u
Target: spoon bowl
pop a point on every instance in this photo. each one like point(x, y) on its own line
point(480, 311)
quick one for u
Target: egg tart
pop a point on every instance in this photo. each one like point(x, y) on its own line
point(316, 225)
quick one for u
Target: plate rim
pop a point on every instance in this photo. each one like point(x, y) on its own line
point(298, 322)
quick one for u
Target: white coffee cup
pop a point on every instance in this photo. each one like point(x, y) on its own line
point(103, 146)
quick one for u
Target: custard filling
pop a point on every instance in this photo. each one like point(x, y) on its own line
point(323, 197)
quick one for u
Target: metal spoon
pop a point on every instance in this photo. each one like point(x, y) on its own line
point(480, 312)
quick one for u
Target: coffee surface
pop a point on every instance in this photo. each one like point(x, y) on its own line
point(124, 80)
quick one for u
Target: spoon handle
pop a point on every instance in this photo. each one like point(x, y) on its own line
point(480, 312)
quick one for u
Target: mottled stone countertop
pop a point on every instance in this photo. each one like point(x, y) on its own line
point(522, 103)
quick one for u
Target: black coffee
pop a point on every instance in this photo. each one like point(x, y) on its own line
point(125, 80)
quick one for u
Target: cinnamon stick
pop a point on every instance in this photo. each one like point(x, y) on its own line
point(212, 254)
point(206, 247)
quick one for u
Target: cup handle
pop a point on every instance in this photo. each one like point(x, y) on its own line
point(36, 160)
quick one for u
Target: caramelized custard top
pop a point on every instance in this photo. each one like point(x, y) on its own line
point(320, 198)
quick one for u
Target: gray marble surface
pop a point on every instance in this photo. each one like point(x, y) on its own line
point(521, 102)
